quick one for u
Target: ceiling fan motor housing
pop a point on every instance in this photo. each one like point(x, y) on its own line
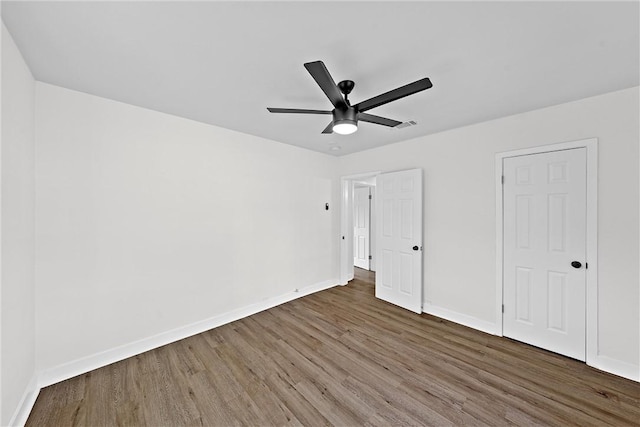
point(348, 115)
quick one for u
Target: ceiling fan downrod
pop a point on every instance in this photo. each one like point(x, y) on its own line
point(346, 86)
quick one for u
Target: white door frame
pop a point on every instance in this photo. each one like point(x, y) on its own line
point(591, 146)
point(346, 223)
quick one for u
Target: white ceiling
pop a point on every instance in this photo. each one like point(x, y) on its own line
point(223, 63)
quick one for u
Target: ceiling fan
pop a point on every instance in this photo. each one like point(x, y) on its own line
point(346, 116)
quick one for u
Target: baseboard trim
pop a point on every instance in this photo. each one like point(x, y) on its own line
point(603, 363)
point(98, 360)
point(615, 367)
point(29, 397)
point(460, 318)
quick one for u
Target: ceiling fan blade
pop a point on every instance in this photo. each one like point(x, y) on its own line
point(297, 111)
point(321, 75)
point(370, 118)
point(395, 94)
point(329, 128)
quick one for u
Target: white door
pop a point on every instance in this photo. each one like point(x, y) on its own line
point(399, 238)
point(544, 233)
point(361, 227)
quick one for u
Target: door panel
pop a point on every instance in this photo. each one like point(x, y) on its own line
point(523, 294)
point(399, 212)
point(383, 275)
point(544, 231)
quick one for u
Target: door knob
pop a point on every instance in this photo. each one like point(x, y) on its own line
point(415, 248)
point(576, 264)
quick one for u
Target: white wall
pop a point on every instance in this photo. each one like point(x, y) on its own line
point(459, 209)
point(148, 222)
point(16, 229)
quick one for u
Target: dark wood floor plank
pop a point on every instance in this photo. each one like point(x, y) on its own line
point(302, 409)
point(341, 357)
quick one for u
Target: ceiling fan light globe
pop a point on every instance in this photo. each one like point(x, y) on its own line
point(345, 127)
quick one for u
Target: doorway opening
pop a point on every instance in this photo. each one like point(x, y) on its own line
point(349, 243)
point(364, 218)
point(398, 234)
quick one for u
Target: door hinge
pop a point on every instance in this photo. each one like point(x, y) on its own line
point(502, 179)
point(370, 197)
point(503, 308)
point(370, 257)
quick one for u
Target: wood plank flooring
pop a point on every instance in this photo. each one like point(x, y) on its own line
point(341, 357)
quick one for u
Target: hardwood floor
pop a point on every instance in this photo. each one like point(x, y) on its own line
point(364, 275)
point(341, 357)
